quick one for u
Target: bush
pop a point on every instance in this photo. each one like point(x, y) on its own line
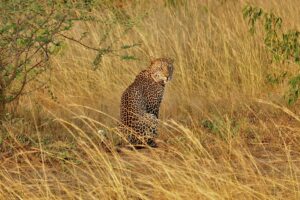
point(284, 46)
point(30, 32)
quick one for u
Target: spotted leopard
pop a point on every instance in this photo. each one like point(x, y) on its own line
point(141, 101)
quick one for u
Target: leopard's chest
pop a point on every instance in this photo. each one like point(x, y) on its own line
point(152, 92)
point(153, 97)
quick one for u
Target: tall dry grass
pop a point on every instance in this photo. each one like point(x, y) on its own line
point(225, 132)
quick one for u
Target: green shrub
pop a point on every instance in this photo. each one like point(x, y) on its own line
point(284, 46)
point(32, 31)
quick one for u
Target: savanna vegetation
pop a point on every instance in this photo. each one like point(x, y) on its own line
point(229, 121)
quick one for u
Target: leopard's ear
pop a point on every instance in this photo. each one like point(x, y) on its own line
point(152, 59)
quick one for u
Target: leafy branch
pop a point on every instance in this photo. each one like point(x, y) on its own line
point(32, 31)
point(284, 46)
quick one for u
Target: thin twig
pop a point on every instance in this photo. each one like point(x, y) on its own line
point(77, 41)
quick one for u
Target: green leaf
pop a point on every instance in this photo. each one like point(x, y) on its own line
point(128, 57)
point(98, 59)
point(128, 46)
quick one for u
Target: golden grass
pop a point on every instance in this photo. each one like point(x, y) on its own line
point(225, 133)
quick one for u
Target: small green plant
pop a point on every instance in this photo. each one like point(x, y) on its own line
point(284, 46)
point(276, 78)
point(224, 128)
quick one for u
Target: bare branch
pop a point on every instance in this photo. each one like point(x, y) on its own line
point(77, 41)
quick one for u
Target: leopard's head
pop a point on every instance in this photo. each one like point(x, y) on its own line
point(161, 70)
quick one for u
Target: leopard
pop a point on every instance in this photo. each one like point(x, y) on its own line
point(140, 103)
